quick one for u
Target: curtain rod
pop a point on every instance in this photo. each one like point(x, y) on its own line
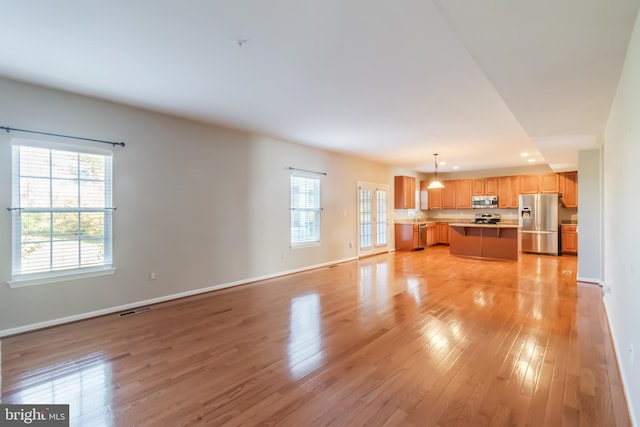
point(9, 129)
point(305, 170)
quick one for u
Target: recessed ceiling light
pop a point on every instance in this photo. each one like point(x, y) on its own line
point(531, 160)
point(525, 154)
point(456, 167)
point(442, 163)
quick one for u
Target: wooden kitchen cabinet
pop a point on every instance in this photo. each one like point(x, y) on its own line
point(434, 196)
point(478, 187)
point(432, 234)
point(508, 191)
point(548, 183)
point(569, 239)
point(490, 186)
point(449, 194)
point(532, 184)
point(442, 198)
point(463, 194)
point(568, 183)
point(443, 233)
point(405, 192)
point(484, 186)
point(529, 184)
point(456, 194)
point(407, 237)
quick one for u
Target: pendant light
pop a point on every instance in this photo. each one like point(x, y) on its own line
point(436, 183)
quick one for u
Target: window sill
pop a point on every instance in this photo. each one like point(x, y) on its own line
point(60, 276)
point(305, 245)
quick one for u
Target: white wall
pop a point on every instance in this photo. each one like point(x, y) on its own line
point(590, 216)
point(198, 205)
point(621, 231)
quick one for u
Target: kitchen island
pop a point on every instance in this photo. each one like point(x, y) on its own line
point(490, 241)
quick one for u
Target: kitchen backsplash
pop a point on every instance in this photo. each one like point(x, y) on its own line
point(564, 214)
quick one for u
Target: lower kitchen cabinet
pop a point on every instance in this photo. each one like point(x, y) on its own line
point(443, 233)
point(407, 237)
point(569, 239)
point(432, 234)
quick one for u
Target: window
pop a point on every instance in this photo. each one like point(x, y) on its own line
point(62, 214)
point(305, 210)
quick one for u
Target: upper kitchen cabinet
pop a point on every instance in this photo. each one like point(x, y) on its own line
point(405, 192)
point(508, 191)
point(463, 194)
point(490, 186)
point(568, 184)
point(549, 183)
point(478, 187)
point(430, 198)
point(484, 186)
point(435, 198)
point(532, 184)
point(529, 184)
point(449, 194)
point(456, 194)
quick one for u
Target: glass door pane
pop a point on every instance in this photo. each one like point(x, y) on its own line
point(366, 219)
point(382, 237)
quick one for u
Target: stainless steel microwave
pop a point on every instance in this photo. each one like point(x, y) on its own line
point(483, 202)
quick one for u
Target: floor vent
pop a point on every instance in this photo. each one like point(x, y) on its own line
point(567, 272)
point(136, 311)
point(333, 266)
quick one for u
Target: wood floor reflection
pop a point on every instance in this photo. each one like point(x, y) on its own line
point(406, 339)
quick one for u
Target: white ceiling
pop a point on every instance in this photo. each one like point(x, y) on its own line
point(478, 81)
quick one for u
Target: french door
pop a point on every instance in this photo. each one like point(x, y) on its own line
point(373, 218)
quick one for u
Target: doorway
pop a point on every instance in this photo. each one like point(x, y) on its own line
point(373, 218)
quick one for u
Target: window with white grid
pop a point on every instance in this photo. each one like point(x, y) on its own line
point(305, 210)
point(62, 210)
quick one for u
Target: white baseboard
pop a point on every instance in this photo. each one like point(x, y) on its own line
point(110, 310)
point(617, 352)
point(589, 280)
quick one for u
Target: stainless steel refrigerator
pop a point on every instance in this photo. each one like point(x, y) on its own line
point(538, 220)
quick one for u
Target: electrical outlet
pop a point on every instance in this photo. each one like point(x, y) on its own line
point(152, 276)
point(350, 245)
point(283, 255)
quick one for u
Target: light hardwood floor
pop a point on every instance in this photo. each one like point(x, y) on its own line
point(401, 339)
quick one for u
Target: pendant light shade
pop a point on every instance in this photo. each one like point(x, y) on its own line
point(435, 183)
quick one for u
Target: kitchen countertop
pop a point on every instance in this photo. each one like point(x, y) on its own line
point(411, 221)
point(470, 224)
point(451, 221)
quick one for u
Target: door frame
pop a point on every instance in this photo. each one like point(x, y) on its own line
point(375, 249)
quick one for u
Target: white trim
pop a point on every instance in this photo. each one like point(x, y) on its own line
point(375, 249)
point(616, 347)
point(24, 280)
point(110, 310)
point(304, 245)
